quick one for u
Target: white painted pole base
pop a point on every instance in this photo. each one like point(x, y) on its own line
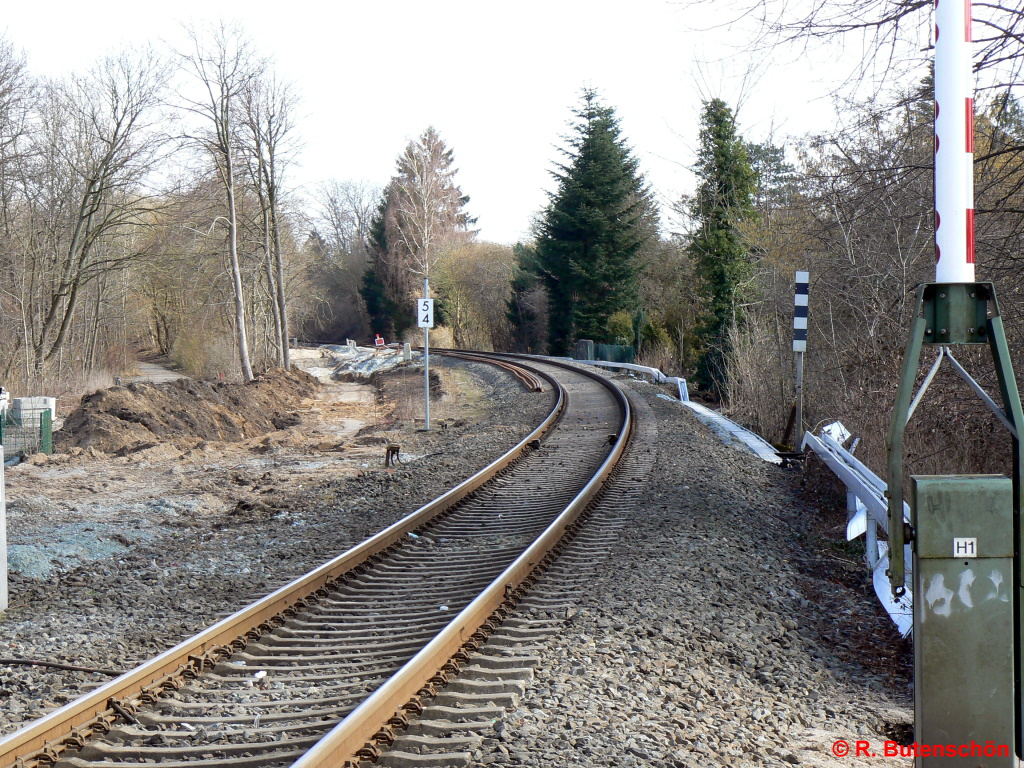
point(4, 598)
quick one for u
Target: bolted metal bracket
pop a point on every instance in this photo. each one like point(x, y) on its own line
point(956, 313)
point(946, 314)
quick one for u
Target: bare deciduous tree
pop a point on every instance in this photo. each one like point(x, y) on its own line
point(15, 90)
point(344, 215)
point(425, 212)
point(223, 64)
point(93, 143)
point(269, 120)
point(895, 33)
point(476, 281)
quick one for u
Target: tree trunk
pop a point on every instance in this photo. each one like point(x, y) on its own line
point(281, 350)
point(90, 362)
point(236, 272)
point(282, 306)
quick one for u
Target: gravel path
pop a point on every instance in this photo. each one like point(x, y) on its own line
point(154, 373)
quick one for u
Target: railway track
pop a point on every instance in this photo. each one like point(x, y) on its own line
point(320, 671)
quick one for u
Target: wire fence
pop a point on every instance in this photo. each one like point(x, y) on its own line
point(26, 431)
point(613, 353)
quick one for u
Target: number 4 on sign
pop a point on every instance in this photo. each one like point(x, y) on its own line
point(425, 313)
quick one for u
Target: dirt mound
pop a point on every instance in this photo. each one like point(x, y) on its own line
point(124, 419)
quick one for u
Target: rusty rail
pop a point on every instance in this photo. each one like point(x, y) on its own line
point(353, 738)
point(42, 742)
point(531, 381)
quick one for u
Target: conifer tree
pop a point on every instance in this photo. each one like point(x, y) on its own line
point(523, 310)
point(593, 229)
point(380, 307)
point(724, 198)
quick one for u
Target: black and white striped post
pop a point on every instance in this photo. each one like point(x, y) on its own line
point(800, 344)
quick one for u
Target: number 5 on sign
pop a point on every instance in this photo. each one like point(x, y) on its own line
point(425, 313)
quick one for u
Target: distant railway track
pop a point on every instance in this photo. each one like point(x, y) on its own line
point(317, 670)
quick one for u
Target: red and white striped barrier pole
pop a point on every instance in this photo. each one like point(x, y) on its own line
point(954, 143)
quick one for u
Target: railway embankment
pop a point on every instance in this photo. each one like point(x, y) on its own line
point(728, 629)
point(118, 557)
point(731, 630)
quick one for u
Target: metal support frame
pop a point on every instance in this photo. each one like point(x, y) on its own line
point(953, 314)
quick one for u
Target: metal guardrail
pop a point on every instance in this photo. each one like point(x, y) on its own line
point(868, 512)
point(654, 373)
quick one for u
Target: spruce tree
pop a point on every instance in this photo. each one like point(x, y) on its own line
point(381, 308)
point(724, 198)
point(593, 229)
point(522, 309)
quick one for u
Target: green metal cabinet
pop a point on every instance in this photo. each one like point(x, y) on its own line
point(964, 618)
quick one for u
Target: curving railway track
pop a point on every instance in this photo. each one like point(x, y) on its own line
point(321, 671)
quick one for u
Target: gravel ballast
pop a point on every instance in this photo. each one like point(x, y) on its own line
point(176, 570)
point(721, 636)
point(726, 634)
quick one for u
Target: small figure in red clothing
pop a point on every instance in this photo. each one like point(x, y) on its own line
point(378, 344)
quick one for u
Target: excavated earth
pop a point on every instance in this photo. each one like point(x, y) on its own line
point(738, 630)
point(126, 419)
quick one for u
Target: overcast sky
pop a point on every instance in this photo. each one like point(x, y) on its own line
point(497, 80)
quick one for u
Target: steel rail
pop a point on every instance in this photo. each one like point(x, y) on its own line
point(529, 380)
point(342, 746)
point(44, 740)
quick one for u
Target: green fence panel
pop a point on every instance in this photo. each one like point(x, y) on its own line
point(614, 353)
point(30, 433)
point(46, 432)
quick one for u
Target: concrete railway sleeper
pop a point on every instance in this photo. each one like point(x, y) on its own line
point(470, 717)
point(317, 672)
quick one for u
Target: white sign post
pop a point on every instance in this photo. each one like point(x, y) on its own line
point(425, 320)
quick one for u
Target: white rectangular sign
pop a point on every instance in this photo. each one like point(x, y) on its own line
point(425, 313)
point(965, 547)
